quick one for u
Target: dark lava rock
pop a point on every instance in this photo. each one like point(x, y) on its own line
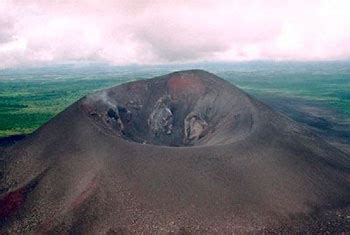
point(183, 153)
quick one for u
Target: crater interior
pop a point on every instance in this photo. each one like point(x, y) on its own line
point(186, 109)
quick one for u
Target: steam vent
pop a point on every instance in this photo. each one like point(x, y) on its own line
point(182, 153)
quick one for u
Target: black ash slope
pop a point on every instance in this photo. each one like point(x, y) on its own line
point(185, 152)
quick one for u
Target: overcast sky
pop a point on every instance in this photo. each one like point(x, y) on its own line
point(146, 32)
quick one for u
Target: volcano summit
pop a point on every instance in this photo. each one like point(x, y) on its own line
point(186, 152)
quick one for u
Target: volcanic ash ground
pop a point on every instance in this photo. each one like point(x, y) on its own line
point(183, 153)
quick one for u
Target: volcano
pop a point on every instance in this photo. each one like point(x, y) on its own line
point(187, 152)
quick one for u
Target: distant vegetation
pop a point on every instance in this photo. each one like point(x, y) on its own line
point(28, 100)
point(30, 97)
point(27, 104)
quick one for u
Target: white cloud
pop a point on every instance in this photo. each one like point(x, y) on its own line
point(162, 31)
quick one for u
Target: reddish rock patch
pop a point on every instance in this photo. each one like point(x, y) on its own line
point(188, 84)
point(84, 195)
point(11, 202)
point(14, 200)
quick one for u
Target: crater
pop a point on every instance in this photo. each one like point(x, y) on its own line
point(183, 109)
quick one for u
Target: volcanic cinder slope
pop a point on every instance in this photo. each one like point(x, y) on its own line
point(186, 152)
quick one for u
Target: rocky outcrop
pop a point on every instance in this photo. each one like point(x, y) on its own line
point(194, 127)
point(161, 119)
